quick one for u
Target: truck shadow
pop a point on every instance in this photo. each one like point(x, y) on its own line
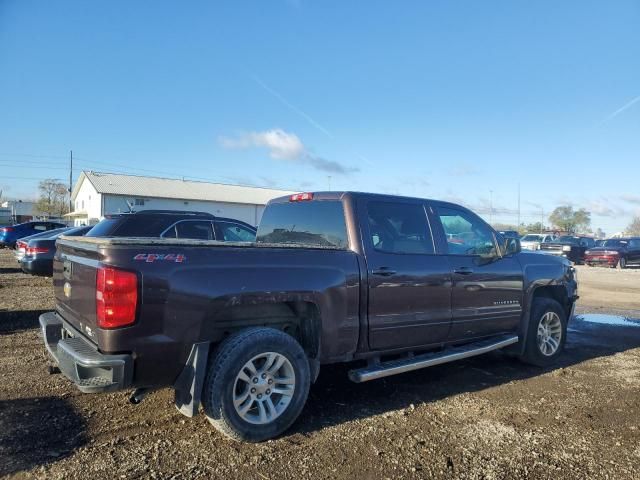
point(10, 270)
point(14, 321)
point(37, 431)
point(333, 399)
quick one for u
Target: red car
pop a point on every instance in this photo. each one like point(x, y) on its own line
point(616, 252)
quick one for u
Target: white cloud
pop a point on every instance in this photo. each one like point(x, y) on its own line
point(281, 145)
point(284, 146)
point(631, 198)
point(463, 170)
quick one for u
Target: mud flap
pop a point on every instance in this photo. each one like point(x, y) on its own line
point(188, 386)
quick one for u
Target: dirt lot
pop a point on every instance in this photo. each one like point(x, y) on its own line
point(488, 417)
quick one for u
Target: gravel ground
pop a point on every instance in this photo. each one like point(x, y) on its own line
point(486, 418)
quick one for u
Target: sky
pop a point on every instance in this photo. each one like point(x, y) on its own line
point(465, 101)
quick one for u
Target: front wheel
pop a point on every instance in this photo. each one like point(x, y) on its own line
point(622, 263)
point(547, 332)
point(256, 385)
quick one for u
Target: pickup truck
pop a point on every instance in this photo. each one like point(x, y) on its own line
point(391, 284)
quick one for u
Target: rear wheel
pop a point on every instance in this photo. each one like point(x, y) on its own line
point(257, 384)
point(622, 263)
point(546, 333)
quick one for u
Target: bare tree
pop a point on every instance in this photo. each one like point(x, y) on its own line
point(634, 227)
point(53, 199)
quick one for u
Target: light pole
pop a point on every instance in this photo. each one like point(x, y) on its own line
point(491, 207)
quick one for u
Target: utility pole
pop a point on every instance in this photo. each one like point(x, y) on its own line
point(490, 207)
point(518, 206)
point(541, 220)
point(70, 178)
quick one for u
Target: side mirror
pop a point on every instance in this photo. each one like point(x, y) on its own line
point(511, 246)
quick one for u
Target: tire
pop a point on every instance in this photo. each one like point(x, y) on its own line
point(228, 377)
point(537, 351)
point(622, 263)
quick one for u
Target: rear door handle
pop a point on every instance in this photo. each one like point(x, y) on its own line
point(463, 271)
point(384, 272)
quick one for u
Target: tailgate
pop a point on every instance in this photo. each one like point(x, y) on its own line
point(74, 282)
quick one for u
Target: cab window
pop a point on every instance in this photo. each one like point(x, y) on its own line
point(466, 233)
point(399, 228)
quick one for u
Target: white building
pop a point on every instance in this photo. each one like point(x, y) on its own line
point(98, 194)
point(18, 210)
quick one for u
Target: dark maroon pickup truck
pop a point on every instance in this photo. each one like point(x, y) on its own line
point(390, 283)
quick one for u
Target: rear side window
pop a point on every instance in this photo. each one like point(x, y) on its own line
point(39, 227)
point(132, 226)
point(317, 223)
point(399, 228)
point(199, 230)
point(233, 232)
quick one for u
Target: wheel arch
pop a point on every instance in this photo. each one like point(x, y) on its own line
point(297, 318)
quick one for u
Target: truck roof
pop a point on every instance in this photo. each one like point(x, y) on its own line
point(338, 195)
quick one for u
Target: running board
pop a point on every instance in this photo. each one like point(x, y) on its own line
point(394, 367)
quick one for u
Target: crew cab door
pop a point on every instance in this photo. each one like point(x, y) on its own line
point(409, 285)
point(487, 288)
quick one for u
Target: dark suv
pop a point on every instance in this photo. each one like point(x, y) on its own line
point(174, 224)
point(572, 247)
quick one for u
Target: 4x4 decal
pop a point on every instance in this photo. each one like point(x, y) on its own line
point(152, 257)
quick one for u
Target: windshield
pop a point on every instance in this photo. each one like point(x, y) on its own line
point(615, 243)
point(568, 239)
point(532, 238)
point(104, 227)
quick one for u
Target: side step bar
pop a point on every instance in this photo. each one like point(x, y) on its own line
point(394, 367)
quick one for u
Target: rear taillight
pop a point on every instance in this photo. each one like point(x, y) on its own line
point(6, 229)
point(116, 297)
point(35, 250)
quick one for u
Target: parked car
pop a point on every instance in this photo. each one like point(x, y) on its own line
point(532, 241)
point(243, 328)
point(572, 247)
point(509, 234)
point(620, 252)
point(39, 252)
point(21, 245)
point(174, 224)
point(9, 235)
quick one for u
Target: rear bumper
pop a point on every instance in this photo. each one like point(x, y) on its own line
point(37, 266)
point(80, 361)
point(611, 260)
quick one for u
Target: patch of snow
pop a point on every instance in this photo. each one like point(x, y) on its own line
point(603, 319)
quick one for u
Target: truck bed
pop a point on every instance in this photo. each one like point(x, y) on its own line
point(192, 291)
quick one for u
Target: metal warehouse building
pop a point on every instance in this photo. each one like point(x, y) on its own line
point(98, 194)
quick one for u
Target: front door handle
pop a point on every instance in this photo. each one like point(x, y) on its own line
point(384, 272)
point(463, 271)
